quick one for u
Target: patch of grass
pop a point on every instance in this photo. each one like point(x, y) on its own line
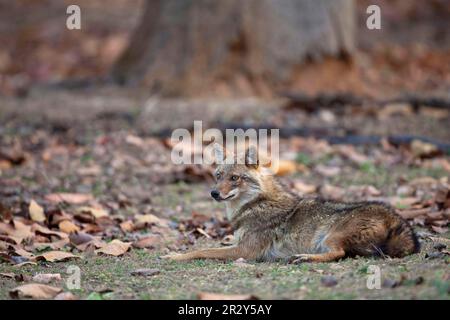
point(368, 167)
point(304, 159)
point(183, 280)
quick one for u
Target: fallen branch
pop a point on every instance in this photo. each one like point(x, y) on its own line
point(339, 100)
point(327, 134)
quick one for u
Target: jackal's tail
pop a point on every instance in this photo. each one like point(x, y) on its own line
point(401, 239)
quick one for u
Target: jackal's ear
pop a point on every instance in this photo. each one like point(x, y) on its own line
point(251, 157)
point(219, 153)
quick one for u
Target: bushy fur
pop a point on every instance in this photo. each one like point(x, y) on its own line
point(272, 223)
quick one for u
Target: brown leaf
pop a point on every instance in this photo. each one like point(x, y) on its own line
point(148, 242)
point(34, 291)
point(115, 248)
point(72, 198)
point(23, 253)
point(67, 226)
point(219, 296)
point(304, 188)
point(95, 212)
point(93, 244)
point(363, 191)
point(55, 256)
point(401, 202)
point(17, 277)
point(350, 153)
point(332, 192)
point(327, 171)
point(143, 220)
point(38, 229)
point(56, 245)
point(127, 226)
point(47, 277)
point(36, 212)
point(89, 171)
point(26, 263)
point(241, 262)
point(66, 296)
point(16, 230)
point(442, 197)
point(413, 213)
point(423, 149)
point(423, 182)
point(203, 232)
point(439, 229)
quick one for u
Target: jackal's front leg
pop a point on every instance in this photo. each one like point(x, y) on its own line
point(319, 257)
point(226, 253)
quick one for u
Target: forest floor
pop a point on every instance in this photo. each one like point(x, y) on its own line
point(86, 177)
point(90, 160)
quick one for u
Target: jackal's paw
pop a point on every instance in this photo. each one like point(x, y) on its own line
point(173, 256)
point(300, 258)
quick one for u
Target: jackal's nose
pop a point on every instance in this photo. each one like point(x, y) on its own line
point(215, 194)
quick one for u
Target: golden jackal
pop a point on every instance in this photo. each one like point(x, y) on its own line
point(271, 223)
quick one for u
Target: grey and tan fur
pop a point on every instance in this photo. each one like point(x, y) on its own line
point(272, 223)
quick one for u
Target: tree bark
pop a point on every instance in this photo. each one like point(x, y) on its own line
point(250, 46)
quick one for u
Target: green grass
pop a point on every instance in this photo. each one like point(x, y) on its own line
point(104, 278)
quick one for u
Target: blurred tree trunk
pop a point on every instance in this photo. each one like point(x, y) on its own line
point(189, 46)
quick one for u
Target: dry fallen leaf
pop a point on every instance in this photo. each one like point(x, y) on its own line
point(66, 296)
point(7, 275)
point(56, 245)
point(38, 229)
point(67, 226)
point(47, 277)
point(363, 191)
point(127, 226)
point(55, 256)
point(349, 152)
point(36, 212)
point(241, 262)
point(331, 192)
point(304, 188)
point(219, 296)
point(34, 291)
point(95, 212)
point(423, 149)
point(72, 198)
point(143, 220)
point(203, 232)
point(327, 171)
point(16, 230)
point(148, 242)
point(115, 248)
point(439, 229)
point(403, 202)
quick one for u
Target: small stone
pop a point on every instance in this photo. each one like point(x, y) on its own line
point(145, 272)
point(439, 246)
point(434, 255)
point(329, 281)
point(390, 283)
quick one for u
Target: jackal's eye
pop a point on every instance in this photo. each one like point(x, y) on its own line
point(234, 178)
point(218, 175)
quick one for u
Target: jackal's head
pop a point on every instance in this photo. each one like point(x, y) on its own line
point(237, 178)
